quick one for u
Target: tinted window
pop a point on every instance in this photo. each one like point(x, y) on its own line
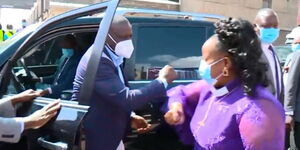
point(179, 46)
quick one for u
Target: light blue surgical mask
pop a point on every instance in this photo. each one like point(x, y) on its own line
point(269, 35)
point(295, 47)
point(67, 52)
point(24, 24)
point(205, 71)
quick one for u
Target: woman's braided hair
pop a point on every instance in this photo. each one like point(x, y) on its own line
point(238, 38)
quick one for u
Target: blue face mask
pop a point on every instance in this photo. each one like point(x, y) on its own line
point(295, 47)
point(67, 52)
point(269, 35)
point(205, 71)
point(24, 24)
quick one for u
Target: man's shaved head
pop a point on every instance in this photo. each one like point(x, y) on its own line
point(266, 18)
point(118, 23)
point(120, 30)
point(266, 12)
point(118, 19)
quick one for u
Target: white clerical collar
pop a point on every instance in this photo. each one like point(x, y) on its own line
point(220, 92)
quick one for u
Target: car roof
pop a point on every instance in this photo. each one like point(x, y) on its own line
point(135, 15)
point(149, 15)
point(142, 16)
point(167, 14)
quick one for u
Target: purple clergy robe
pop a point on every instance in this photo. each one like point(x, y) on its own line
point(229, 121)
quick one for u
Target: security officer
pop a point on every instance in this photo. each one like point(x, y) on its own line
point(10, 31)
point(3, 36)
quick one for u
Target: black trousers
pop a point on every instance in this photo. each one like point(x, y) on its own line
point(287, 141)
point(297, 134)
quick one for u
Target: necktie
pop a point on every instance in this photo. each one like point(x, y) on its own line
point(276, 72)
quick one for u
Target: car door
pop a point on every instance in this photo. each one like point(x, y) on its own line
point(159, 43)
point(63, 132)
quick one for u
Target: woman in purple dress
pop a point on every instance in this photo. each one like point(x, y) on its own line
point(230, 109)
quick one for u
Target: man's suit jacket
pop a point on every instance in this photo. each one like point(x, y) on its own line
point(65, 76)
point(10, 128)
point(111, 104)
point(292, 87)
point(269, 73)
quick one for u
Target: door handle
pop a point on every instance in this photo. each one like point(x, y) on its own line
point(52, 145)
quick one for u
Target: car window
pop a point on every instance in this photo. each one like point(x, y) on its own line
point(179, 46)
point(43, 61)
point(46, 61)
point(46, 53)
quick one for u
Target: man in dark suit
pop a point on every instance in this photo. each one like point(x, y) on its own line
point(292, 91)
point(267, 27)
point(66, 70)
point(112, 102)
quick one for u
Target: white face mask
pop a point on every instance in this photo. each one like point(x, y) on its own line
point(123, 48)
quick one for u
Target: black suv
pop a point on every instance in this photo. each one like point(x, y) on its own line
point(160, 38)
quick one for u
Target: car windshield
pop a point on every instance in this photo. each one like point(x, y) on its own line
point(4, 45)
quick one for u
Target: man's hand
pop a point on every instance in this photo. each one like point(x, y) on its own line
point(42, 116)
point(175, 116)
point(140, 124)
point(289, 121)
point(25, 96)
point(168, 73)
point(43, 92)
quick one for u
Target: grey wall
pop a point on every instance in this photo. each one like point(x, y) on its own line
point(24, 4)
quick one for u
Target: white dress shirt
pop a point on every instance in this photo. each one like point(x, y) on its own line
point(117, 60)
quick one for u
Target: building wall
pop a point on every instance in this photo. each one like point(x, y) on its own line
point(247, 9)
point(287, 9)
point(19, 4)
point(74, 1)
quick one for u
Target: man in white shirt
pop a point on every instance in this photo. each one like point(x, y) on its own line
point(11, 127)
point(266, 25)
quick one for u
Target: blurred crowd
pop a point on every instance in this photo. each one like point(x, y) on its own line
point(10, 30)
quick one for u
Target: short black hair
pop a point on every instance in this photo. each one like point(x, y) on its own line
point(238, 38)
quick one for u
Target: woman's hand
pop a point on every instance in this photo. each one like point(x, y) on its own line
point(175, 116)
